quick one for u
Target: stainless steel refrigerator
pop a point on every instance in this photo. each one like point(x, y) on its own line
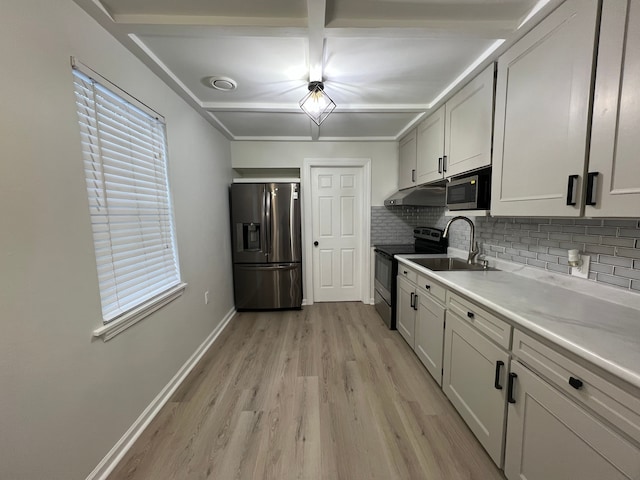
point(267, 251)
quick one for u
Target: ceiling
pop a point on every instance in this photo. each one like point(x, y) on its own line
point(385, 63)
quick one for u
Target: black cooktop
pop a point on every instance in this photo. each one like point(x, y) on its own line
point(427, 240)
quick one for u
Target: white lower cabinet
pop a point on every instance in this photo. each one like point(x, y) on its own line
point(420, 318)
point(475, 372)
point(406, 313)
point(550, 437)
point(429, 333)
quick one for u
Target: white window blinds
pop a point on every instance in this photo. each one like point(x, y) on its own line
point(124, 153)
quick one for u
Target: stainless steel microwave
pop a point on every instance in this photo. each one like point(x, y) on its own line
point(470, 193)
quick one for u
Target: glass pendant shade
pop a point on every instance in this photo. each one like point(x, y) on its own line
point(317, 104)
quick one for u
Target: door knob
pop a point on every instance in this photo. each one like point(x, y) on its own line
point(315, 244)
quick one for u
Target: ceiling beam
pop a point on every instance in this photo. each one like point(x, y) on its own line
point(208, 20)
point(295, 108)
point(316, 11)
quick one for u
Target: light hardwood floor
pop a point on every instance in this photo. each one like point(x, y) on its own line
point(323, 393)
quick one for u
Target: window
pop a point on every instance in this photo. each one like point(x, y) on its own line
point(125, 163)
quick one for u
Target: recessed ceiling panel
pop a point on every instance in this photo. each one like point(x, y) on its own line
point(395, 70)
point(442, 13)
point(217, 8)
point(266, 69)
point(354, 125)
point(259, 124)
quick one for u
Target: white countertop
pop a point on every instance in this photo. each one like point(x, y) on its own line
point(604, 333)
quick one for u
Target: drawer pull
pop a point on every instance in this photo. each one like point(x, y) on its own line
point(404, 271)
point(512, 378)
point(496, 381)
point(470, 314)
point(428, 287)
point(412, 297)
point(575, 383)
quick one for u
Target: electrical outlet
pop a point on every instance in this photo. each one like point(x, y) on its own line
point(583, 270)
point(206, 297)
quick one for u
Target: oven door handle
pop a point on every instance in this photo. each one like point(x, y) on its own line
point(383, 254)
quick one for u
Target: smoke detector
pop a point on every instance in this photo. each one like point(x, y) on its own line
point(224, 84)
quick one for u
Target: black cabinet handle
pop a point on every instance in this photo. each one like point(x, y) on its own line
point(512, 378)
point(592, 186)
point(315, 244)
point(428, 287)
point(404, 272)
point(411, 303)
point(413, 175)
point(444, 163)
point(471, 314)
point(572, 189)
point(496, 381)
point(575, 383)
point(415, 303)
point(440, 165)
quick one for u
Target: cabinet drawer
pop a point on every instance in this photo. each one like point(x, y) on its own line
point(432, 288)
point(610, 402)
point(497, 330)
point(406, 272)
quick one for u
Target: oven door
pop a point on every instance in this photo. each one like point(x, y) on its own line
point(384, 275)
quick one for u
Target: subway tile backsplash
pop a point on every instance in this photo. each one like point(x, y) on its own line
point(614, 245)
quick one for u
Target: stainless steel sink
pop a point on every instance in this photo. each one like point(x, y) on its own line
point(447, 264)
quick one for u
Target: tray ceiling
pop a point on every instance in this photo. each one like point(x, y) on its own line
point(385, 63)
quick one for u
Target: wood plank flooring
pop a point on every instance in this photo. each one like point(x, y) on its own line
point(327, 392)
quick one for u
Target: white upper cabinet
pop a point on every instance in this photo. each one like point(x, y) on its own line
point(615, 140)
point(430, 142)
point(542, 115)
point(468, 126)
point(407, 161)
point(456, 138)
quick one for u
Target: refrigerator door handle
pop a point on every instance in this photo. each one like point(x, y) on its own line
point(267, 213)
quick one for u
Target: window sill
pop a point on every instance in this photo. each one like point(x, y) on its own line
point(113, 328)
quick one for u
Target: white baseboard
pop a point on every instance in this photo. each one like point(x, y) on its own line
point(110, 461)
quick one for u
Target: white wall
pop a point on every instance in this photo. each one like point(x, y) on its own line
point(64, 398)
point(383, 155)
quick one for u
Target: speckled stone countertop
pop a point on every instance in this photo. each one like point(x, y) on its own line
point(600, 331)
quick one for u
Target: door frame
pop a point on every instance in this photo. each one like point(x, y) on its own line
point(365, 234)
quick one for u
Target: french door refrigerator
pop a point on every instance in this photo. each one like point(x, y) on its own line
point(267, 251)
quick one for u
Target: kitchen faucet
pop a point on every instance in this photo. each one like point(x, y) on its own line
point(473, 245)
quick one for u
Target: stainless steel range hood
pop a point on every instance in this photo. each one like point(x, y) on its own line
point(431, 196)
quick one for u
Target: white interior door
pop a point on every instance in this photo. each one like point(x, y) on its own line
point(337, 213)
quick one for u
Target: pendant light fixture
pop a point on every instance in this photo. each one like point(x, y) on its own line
point(317, 104)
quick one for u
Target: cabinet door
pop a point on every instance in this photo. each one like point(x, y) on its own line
point(616, 114)
point(471, 362)
point(549, 437)
point(468, 126)
point(407, 161)
point(430, 164)
point(405, 314)
point(542, 115)
point(430, 334)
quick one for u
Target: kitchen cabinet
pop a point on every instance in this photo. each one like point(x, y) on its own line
point(406, 312)
point(407, 161)
point(429, 326)
point(469, 125)
point(474, 379)
point(565, 421)
point(456, 138)
point(430, 144)
point(543, 94)
point(616, 115)
point(420, 318)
